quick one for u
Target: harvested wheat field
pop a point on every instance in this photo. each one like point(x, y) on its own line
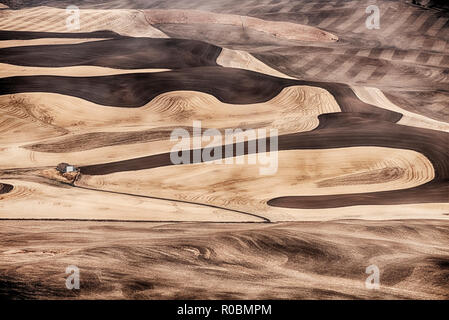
point(224, 150)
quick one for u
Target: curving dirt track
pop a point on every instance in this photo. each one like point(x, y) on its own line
point(362, 161)
point(278, 29)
